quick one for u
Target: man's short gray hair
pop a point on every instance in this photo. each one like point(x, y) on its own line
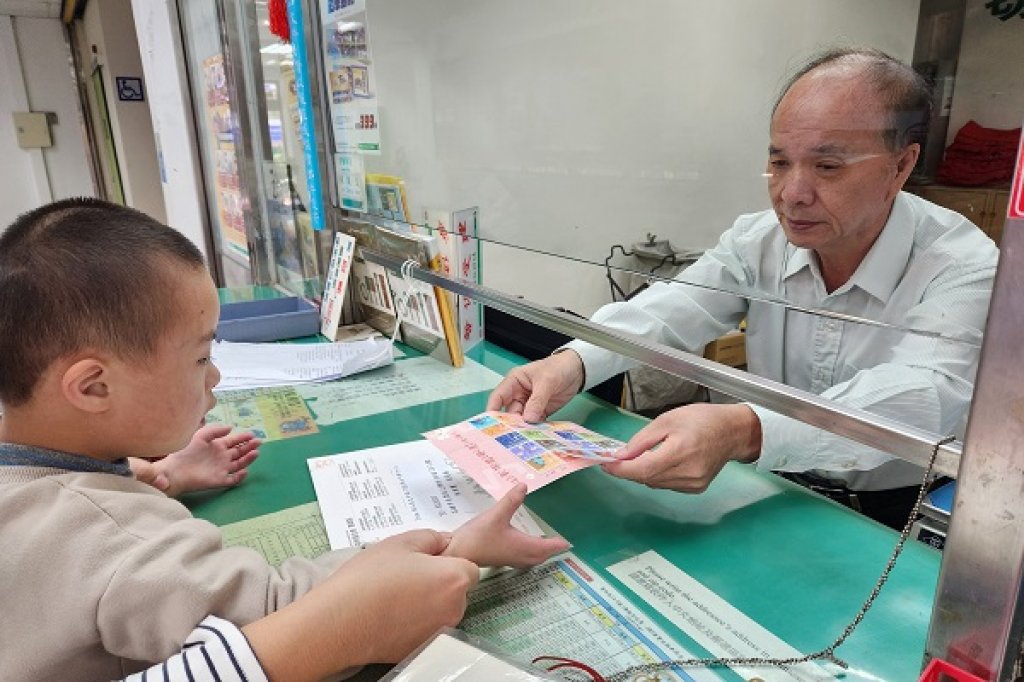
point(903, 91)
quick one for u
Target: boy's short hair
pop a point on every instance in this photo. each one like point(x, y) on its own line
point(83, 273)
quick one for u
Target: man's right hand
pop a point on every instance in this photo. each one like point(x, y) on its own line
point(540, 388)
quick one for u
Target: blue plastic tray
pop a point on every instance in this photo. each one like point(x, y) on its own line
point(272, 319)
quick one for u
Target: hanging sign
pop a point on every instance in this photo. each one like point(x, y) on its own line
point(303, 94)
point(351, 83)
point(1016, 209)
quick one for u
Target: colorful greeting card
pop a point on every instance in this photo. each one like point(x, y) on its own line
point(499, 450)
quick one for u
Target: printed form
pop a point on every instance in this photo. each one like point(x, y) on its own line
point(368, 495)
point(297, 531)
point(565, 609)
point(712, 622)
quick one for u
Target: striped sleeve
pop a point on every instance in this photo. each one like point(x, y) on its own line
point(216, 651)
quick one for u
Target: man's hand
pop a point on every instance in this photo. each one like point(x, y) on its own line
point(684, 449)
point(538, 389)
point(490, 540)
point(376, 608)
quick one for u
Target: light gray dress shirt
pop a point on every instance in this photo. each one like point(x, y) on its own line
point(930, 269)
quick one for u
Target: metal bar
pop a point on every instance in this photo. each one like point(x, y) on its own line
point(238, 71)
point(907, 442)
point(978, 619)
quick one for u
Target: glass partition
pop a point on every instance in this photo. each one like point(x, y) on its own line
point(245, 103)
point(606, 146)
point(603, 149)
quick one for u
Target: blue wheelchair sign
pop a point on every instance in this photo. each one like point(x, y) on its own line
point(129, 89)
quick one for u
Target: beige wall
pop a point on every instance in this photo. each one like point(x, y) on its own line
point(156, 27)
point(579, 124)
point(109, 25)
point(36, 75)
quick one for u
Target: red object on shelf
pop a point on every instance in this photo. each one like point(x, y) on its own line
point(979, 156)
point(940, 671)
point(277, 12)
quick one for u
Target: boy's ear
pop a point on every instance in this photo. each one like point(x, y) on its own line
point(84, 384)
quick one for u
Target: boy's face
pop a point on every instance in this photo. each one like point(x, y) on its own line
point(161, 400)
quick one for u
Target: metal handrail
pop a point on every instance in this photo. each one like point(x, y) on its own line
point(904, 441)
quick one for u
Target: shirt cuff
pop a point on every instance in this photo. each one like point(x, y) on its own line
point(215, 650)
point(598, 364)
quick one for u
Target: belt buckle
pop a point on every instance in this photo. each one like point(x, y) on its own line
point(843, 496)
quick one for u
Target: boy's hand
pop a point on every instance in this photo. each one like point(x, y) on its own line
point(376, 608)
point(490, 540)
point(214, 458)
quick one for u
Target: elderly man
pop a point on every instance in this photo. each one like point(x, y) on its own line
point(841, 237)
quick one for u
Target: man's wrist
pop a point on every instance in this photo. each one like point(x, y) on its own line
point(579, 363)
point(749, 448)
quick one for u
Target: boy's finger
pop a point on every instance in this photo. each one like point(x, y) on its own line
point(243, 461)
point(243, 440)
point(512, 500)
point(422, 541)
point(471, 570)
point(211, 432)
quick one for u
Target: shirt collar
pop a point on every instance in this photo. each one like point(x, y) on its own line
point(883, 266)
point(13, 454)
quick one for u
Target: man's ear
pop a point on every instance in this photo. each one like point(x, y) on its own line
point(85, 385)
point(906, 161)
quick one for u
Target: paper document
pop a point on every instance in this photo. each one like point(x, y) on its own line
point(451, 659)
point(368, 495)
point(712, 622)
point(297, 531)
point(335, 285)
point(358, 332)
point(258, 365)
point(500, 450)
point(564, 608)
point(414, 381)
point(269, 413)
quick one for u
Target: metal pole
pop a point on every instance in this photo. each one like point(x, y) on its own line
point(978, 618)
point(907, 442)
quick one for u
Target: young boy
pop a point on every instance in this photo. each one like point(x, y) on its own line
point(266, 649)
point(106, 322)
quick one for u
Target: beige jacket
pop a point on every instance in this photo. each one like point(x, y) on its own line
point(100, 574)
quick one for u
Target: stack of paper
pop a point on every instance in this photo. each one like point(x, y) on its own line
point(260, 365)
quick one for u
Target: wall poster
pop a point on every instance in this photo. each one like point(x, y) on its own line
point(352, 87)
point(217, 103)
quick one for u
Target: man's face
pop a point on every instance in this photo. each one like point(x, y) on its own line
point(163, 399)
point(831, 178)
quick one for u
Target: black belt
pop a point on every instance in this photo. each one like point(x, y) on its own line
point(859, 500)
point(891, 507)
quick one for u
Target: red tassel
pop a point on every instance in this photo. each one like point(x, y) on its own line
point(278, 14)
